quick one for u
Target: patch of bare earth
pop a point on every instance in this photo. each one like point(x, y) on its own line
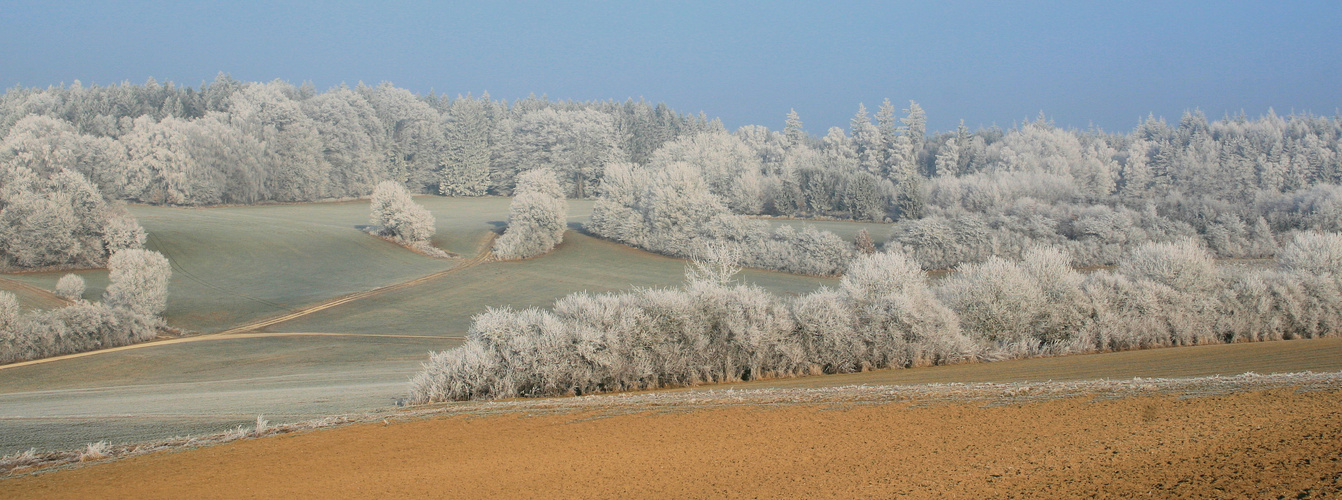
point(1251, 436)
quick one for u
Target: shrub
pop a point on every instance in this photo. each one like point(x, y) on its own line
point(138, 281)
point(537, 217)
point(1314, 253)
point(396, 215)
point(997, 300)
point(1183, 266)
point(70, 287)
point(9, 310)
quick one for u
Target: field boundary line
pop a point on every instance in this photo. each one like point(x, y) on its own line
point(221, 336)
point(482, 256)
point(37, 290)
point(248, 330)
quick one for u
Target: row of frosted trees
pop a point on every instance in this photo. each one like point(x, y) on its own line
point(235, 142)
point(1241, 185)
point(884, 314)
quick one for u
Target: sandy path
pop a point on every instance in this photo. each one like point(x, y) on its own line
point(1248, 445)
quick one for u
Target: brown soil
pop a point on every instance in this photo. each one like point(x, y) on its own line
point(1262, 444)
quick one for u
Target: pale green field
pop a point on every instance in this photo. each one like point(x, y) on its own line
point(582, 263)
point(234, 265)
point(28, 298)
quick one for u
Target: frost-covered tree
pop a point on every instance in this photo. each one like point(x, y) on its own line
point(466, 166)
point(1314, 253)
point(58, 220)
point(353, 139)
point(867, 142)
point(537, 217)
point(138, 282)
point(574, 144)
point(394, 214)
point(796, 136)
point(9, 310)
point(70, 287)
point(730, 168)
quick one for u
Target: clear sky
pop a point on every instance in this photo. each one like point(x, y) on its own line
point(1083, 63)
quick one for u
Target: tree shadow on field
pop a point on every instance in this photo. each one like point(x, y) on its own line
point(498, 226)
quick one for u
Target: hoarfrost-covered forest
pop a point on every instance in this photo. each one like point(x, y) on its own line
point(668, 182)
point(664, 179)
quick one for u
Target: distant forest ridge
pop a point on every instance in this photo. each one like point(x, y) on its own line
point(665, 180)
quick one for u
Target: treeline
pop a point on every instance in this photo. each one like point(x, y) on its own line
point(241, 143)
point(1240, 185)
point(136, 294)
point(884, 314)
point(59, 220)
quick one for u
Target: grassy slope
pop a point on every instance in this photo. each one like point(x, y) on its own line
point(202, 387)
point(28, 298)
point(237, 264)
point(445, 306)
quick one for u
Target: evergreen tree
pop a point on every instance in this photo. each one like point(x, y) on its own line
point(466, 169)
point(793, 131)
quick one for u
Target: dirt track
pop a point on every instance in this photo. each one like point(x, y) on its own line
point(1261, 444)
point(249, 329)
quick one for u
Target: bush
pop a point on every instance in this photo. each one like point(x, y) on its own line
point(394, 214)
point(70, 287)
point(1183, 266)
point(1314, 253)
point(537, 217)
point(996, 300)
point(138, 282)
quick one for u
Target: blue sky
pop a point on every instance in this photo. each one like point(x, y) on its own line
point(1082, 63)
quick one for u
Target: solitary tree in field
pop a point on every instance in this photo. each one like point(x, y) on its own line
point(70, 287)
point(536, 218)
point(397, 216)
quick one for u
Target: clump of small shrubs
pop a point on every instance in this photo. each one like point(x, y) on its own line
point(884, 314)
point(537, 217)
point(128, 313)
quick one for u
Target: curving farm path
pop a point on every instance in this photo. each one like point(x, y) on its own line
point(249, 330)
